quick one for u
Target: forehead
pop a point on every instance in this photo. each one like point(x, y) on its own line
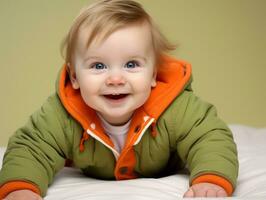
point(135, 37)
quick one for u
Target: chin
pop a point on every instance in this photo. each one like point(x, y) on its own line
point(118, 117)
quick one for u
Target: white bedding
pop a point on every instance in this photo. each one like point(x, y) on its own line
point(70, 184)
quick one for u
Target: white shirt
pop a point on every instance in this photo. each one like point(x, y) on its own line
point(117, 134)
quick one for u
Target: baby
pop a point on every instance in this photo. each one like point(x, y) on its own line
point(123, 109)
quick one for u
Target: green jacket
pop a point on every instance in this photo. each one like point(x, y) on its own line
point(172, 129)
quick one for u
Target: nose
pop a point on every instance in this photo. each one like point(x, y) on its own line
point(115, 79)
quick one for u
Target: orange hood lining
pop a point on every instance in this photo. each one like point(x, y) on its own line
point(172, 78)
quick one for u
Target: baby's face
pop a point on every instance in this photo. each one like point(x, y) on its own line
point(115, 77)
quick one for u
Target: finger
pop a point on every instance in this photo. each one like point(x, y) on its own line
point(200, 193)
point(189, 193)
point(211, 193)
point(221, 193)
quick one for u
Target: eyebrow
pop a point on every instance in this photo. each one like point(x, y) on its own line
point(92, 57)
point(139, 57)
point(131, 57)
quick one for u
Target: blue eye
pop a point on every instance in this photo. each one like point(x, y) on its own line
point(132, 64)
point(99, 66)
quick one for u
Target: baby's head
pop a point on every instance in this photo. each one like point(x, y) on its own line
point(112, 51)
point(104, 17)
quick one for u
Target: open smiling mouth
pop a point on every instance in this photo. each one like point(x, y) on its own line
point(115, 96)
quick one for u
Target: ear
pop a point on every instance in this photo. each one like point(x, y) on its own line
point(153, 81)
point(72, 76)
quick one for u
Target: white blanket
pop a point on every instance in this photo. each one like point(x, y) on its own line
point(70, 184)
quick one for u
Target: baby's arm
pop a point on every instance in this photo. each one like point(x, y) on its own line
point(205, 144)
point(22, 195)
point(205, 190)
point(36, 151)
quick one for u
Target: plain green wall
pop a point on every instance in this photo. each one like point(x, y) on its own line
point(225, 40)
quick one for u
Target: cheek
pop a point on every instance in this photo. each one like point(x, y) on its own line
point(142, 95)
point(88, 95)
point(89, 87)
point(143, 90)
point(143, 83)
point(144, 86)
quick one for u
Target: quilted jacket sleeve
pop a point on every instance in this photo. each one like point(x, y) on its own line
point(204, 142)
point(38, 150)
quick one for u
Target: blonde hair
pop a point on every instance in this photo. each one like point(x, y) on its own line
point(105, 17)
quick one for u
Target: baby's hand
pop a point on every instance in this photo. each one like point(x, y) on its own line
point(22, 195)
point(205, 190)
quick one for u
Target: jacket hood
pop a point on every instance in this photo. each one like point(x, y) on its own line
point(173, 77)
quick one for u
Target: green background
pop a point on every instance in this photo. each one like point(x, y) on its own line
point(224, 40)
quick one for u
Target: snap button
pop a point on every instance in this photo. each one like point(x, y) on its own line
point(137, 128)
point(93, 126)
point(145, 118)
point(123, 170)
